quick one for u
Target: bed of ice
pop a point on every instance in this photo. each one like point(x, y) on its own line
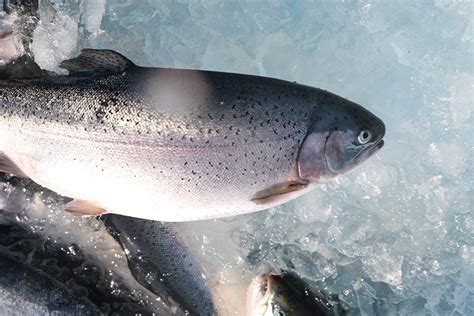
point(396, 234)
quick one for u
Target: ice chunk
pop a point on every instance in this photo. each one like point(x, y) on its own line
point(236, 59)
point(54, 39)
point(450, 158)
point(460, 100)
point(316, 207)
point(464, 300)
point(384, 266)
point(92, 12)
point(273, 56)
point(467, 261)
point(372, 17)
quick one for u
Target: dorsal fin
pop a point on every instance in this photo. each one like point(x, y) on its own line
point(93, 62)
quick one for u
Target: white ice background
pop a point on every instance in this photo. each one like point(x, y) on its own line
point(395, 236)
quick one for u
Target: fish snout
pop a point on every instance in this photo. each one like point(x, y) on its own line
point(378, 127)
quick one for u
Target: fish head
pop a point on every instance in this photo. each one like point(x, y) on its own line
point(342, 135)
point(257, 296)
point(285, 294)
point(266, 296)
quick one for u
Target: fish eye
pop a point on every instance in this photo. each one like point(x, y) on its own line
point(364, 136)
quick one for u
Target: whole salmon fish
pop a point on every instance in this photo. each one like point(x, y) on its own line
point(176, 145)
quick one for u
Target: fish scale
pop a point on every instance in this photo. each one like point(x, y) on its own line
point(155, 143)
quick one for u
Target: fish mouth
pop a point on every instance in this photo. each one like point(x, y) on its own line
point(267, 284)
point(369, 151)
point(260, 292)
point(263, 285)
point(360, 157)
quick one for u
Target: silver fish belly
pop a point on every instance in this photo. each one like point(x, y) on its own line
point(162, 144)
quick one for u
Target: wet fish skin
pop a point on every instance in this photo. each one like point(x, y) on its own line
point(160, 260)
point(27, 291)
point(177, 145)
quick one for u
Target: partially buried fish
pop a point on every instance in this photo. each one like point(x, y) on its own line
point(286, 295)
point(160, 260)
point(176, 145)
point(68, 256)
point(27, 291)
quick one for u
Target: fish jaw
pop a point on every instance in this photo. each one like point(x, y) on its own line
point(342, 155)
point(266, 295)
point(258, 296)
point(368, 152)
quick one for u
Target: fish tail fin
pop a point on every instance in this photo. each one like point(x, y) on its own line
point(92, 62)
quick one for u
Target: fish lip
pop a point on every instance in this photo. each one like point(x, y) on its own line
point(264, 285)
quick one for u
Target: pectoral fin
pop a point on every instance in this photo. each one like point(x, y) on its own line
point(8, 166)
point(83, 207)
point(278, 191)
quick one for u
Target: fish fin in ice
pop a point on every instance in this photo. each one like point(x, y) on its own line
point(8, 166)
point(278, 191)
point(21, 68)
point(83, 207)
point(96, 62)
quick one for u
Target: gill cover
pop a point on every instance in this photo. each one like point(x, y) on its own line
point(311, 158)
